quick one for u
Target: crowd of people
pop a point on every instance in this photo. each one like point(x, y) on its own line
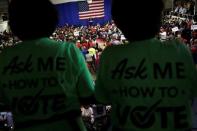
point(182, 29)
point(91, 40)
point(184, 7)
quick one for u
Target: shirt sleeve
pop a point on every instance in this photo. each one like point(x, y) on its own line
point(193, 79)
point(192, 72)
point(85, 86)
point(101, 92)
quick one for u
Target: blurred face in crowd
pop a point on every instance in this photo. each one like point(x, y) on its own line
point(195, 42)
point(194, 34)
point(162, 29)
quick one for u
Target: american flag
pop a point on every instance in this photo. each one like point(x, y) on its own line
point(91, 9)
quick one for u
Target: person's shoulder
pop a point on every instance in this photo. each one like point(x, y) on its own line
point(177, 47)
point(10, 48)
point(175, 44)
point(66, 45)
point(63, 46)
point(113, 49)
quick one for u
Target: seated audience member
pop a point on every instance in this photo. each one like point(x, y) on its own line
point(42, 80)
point(149, 83)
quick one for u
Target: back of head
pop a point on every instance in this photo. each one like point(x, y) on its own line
point(32, 19)
point(139, 20)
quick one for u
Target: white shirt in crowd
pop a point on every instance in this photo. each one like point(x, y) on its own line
point(163, 36)
point(87, 112)
point(88, 57)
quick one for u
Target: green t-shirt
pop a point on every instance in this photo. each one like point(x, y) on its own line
point(42, 81)
point(149, 84)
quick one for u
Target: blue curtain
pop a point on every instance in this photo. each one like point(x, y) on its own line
point(68, 14)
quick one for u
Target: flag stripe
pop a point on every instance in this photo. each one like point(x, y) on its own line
point(64, 1)
point(97, 16)
point(94, 9)
point(96, 5)
point(96, 13)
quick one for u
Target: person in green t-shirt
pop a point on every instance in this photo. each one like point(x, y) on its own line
point(43, 82)
point(149, 83)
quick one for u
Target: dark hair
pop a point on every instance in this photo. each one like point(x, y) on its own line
point(32, 19)
point(138, 20)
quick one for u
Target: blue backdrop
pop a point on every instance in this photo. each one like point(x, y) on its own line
point(68, 14)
